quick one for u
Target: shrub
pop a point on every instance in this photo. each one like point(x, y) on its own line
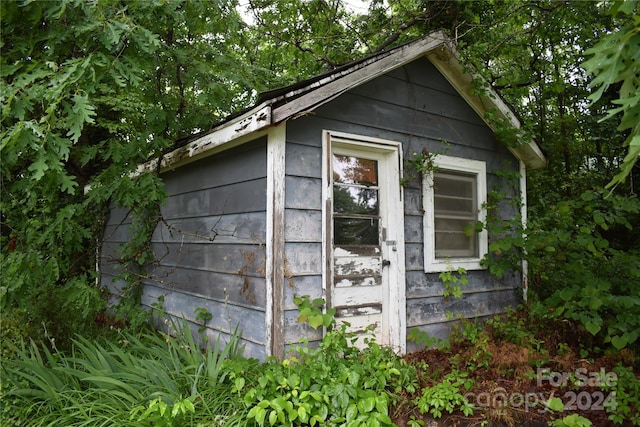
point(583, 265)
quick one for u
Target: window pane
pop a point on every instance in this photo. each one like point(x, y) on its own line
point(454, 205)
point(455, 245)
point(354, 200)
point(455, 238)
point(455, 213)
point(354, 170)
point(455, 184)
point(355, 231)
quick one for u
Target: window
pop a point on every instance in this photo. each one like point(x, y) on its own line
point(454, 195)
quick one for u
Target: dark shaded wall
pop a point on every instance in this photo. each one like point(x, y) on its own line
point(210, 245)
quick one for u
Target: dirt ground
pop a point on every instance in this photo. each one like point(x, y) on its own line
point(512, 383)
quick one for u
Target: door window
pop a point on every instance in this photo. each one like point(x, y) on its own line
point(356, 218)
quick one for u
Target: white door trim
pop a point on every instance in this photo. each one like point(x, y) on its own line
point(396, 302)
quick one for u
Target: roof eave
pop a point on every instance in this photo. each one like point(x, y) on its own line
point(253, 120)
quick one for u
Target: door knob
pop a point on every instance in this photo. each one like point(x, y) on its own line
point(386, 263)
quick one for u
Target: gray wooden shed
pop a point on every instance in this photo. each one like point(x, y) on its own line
point(305, 193)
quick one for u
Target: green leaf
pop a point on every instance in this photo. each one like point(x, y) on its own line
point(592, 327)
point(39, 167)
point(555, 404)
point(366, 405)
point(82, 112)
point(352, 412)
point(316, 321)
point(619, 342)
point(302, 413)
point(273, 417)
point(384, 419)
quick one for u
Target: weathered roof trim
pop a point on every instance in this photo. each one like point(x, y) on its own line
point(253, 120)
point(301, 99)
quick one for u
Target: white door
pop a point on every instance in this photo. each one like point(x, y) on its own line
point(365, 229)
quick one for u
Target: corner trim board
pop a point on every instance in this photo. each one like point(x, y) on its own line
point(275, 242)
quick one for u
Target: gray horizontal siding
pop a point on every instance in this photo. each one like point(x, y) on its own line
point(303, 193)
point(303, 225)
point(303, 259)
point(221, 258)
point(247, 228)
point(238, 289)
point(241, 197)
point(225, 318)
point(209, 246)
point(245, 163)
point(303, 235)
point(426, 311)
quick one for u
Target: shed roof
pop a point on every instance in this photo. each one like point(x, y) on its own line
point(286, 103)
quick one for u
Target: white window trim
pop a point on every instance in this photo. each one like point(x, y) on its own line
point(454, 164)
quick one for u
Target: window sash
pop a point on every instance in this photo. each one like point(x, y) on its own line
point(455, 202)
point(454, 193)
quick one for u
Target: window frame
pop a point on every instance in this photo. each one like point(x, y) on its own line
point(454, 165)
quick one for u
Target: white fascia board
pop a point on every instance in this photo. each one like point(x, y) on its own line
point(531, 155)
point(256, 119)
point(447, 61)
point(334, 85)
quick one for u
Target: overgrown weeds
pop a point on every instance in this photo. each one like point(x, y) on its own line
point(501, 370)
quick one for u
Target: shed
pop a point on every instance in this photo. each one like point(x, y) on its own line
point(313, 191)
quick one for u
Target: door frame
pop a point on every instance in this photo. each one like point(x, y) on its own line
point(396, 295)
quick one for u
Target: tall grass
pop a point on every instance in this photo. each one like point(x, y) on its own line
point(151, 379)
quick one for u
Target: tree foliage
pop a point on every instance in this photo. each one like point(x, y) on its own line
point(89, 90)
point(614, 60)
point(92, 89)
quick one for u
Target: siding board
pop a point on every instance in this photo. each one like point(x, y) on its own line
point(244, 163)
point(225, 317)
point(303, 193)
point(295, 332)
point(414, 258)
point(238, 289)
point(421, 285)
point(434, 310)
point(303, 258)
point(413, 229)
point(423, 99)
point(300, 286)
point(303, 225)
point(404, 119)
point(422, 72)
point(243, 197)
point(223, 258)
point(412, 201)
point(303, 160)
point(249, 228)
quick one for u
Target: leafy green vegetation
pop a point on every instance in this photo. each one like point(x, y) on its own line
point(92, 89)
point(582, 269)
point(170, 380)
